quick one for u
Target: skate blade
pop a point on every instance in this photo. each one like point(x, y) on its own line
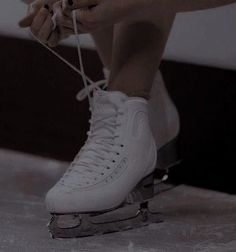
point(83, 225)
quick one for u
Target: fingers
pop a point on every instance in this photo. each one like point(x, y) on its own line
point(64, 23)
point(32, 11)
point(61, 19)
point(87, 20)
point(39, 20)
point(43, 25)
point(45, 29)
point(53, 39)
point(58, 35)
point(27, 21)
point(77, 4)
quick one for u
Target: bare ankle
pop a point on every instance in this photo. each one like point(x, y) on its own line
point(143, 94)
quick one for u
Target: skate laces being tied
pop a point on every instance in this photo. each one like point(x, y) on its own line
point(94, 85)
point(101, 137)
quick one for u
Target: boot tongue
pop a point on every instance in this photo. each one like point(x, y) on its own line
point(102, 98)
point(106, 103)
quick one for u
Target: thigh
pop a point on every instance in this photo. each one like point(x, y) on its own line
point(104, 40)
point(144, 28)
point(157, 16)
point(139, 43)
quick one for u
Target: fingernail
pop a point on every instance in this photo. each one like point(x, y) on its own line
point(70, 2)
point(46, 6)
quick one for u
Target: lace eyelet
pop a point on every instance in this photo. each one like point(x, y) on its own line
point(113, 161)
point(102, 173)
point(108, 168)
point(122, 145)
point(117, 153)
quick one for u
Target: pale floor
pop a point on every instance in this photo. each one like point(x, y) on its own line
point(195, 219)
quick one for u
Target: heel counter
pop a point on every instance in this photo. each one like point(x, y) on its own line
point(164, 116)
point(173, 118)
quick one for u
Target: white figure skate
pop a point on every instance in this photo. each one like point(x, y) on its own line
point(98, 182)
point(115, 166)
point(164, 122)
point(118, 163)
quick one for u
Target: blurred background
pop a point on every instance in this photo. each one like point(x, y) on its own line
point(40, 115)
point(42, 127)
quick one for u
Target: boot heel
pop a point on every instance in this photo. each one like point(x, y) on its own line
point(143, 191)
point(167, 157)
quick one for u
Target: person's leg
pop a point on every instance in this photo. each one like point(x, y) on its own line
point(103, 40)
point(138, 47)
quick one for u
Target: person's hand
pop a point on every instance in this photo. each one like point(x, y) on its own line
point(94, 14)
point(37, 10)
point(39, 19)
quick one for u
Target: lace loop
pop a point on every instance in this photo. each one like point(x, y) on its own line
point(82, 93)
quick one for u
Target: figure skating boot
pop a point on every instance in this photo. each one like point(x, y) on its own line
point(116, 166)
point(164, 122)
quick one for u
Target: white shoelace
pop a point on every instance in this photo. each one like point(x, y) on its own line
point(87, 88)
point(95, 150)
point(97, 147)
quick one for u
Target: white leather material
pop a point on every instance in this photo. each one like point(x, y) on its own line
point(95, 187)
point(164, 116)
